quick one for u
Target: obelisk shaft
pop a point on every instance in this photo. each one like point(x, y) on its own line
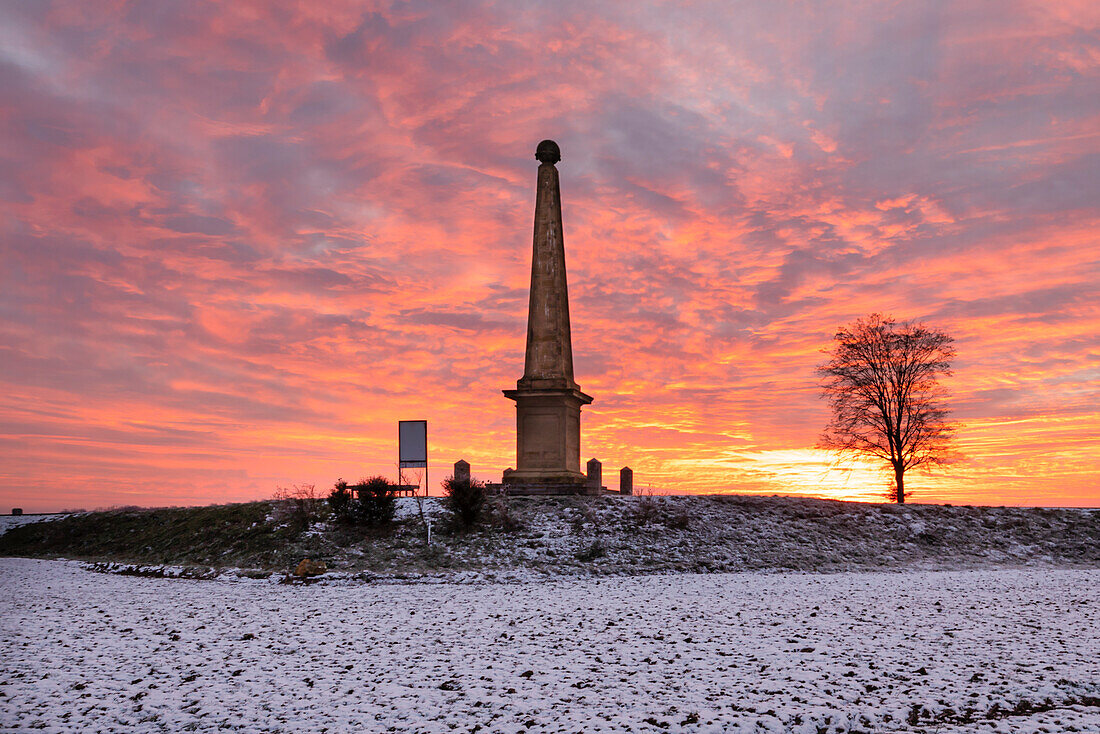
point(549, 357)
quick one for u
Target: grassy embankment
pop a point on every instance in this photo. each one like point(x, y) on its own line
point(575, 535)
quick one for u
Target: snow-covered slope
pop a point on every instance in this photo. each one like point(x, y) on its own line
point(7, 522)
point(525, 538)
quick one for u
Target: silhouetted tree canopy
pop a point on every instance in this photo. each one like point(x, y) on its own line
point(882, 382)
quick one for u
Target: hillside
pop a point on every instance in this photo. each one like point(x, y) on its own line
point(535, 537)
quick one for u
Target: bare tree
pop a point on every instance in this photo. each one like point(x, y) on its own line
point(882, 382)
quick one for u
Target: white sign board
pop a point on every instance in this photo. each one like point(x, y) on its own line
point(412, 443)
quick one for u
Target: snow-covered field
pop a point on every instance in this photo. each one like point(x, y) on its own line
point(870, 652)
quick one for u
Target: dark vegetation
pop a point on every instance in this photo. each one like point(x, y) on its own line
point(579, 535)
point(465, 500)
point(370, 503)
point(222, 535)
point(298, 506)
point(339, 503)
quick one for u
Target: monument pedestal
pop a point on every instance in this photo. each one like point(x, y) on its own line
point(548, 442)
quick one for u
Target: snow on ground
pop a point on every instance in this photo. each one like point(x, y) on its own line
point(411, 506)
point(805, 653)
point(7, 522)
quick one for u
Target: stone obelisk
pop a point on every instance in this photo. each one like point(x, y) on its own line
point(548, 400)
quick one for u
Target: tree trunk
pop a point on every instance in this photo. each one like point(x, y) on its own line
point(899, 484)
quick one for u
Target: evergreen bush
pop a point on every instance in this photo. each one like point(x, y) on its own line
point(376, 502)
point(465, 500)
point(340, 502)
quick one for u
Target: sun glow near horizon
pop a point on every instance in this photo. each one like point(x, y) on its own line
point(815, 473)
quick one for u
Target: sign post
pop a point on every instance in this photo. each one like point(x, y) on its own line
point(412, 448)
point(412, 452)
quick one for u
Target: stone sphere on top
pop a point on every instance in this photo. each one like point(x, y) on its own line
point(548, 152)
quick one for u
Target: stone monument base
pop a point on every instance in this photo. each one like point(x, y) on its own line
point(518, 486)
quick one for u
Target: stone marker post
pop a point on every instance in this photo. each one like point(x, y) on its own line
point(626, 480)
point(595, 475)
point(462, 471)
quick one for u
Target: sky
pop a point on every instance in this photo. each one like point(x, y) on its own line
point(240, 241)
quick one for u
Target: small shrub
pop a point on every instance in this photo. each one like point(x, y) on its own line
point(586, 515)
point(592, 552)
point(499, 514)
point(646, 511)
point(465, 500)
point(340, 502)
point(298, 506)
point(376, 502)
